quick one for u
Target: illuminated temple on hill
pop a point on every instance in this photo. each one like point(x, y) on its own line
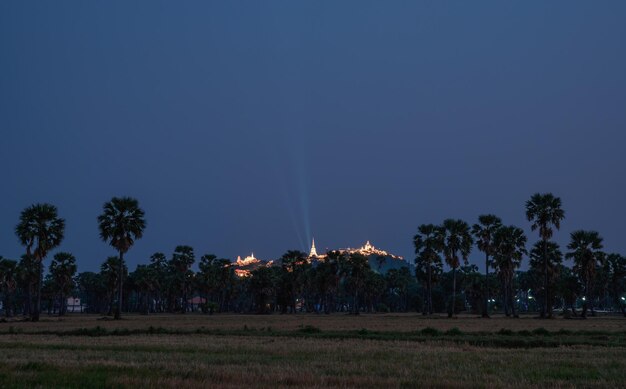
point(244, 267)
point(367, 249)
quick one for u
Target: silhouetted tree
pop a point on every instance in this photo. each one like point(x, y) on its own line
point(121, 224)
point(457, 241)
point(617, 280)
point(359, 266)
point(62, 269)
point(428, 244)
point(182, 260)
point(509, 247)
point(40, 230)
point(8, 283)
point(483, 233)
point(545, 212)
point(586, 251)
point(159, 266)
point(541, 254)
point(112, 270)
point(293, 264)
point(93, 292)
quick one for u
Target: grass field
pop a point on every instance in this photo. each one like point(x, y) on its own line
point(394, 350)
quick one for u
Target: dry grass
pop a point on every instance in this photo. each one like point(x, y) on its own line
point(195, 361)
point(338, 322)
point(229, 361)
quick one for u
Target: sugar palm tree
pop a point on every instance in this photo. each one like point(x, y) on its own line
point(291, 265)
point(428, 243)
point(359, 267)
point(456, 244)
point(182, 260)
point(121, 224)
point(545, 213)
point(40, 230)
point(110, 273)
point(538, 253)
point(145, 281)
point(617, 279)
point(509, 247)
point(329, 274)
point(586, 251)
point(63, 269)
point(8, 282)
point(484, 231)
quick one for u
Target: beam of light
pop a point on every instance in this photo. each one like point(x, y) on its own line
point(293, 214)
point(293, 177)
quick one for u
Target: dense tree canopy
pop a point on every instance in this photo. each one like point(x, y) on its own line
point(440, 279)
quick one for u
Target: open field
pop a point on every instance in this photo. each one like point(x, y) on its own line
point(313, 351)
point(341, 322)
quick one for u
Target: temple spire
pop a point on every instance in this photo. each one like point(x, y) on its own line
point(313, 252)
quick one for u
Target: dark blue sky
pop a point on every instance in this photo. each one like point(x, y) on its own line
point(246, 126)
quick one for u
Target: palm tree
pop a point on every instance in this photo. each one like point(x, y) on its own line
point(483, 232)
point(110, 273)
point(182, 260)
point(586, 251)
point(617, 279)
point(538, 253)
point(207, 277)
point(121, 224)
point(292, 265)
point(40, 230)
point(146, 283)
point(8, 282)
point(545, 212)
point(359, 266)
point(329, 274)
point(158, 263)
point(63, 269)
point(509, 247)
point(457, 240)
point(27, 276)
point(428, 244)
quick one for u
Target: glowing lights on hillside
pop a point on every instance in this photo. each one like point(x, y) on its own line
point(367, 249)
point(245, 266)
point(249, 260)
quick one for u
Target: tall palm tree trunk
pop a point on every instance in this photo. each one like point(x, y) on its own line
point(547, 311)
point(452, 310)
point(120, 290)
point(505, 296)
point(38, 291)
point(430, 291)
point(356, 297)
point(62, 304)
point(7, 309)
point(512, 299)
point(486, 292)
point(512, 302)
point(584, 314)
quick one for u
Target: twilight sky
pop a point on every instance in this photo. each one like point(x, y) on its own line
point(251, 125)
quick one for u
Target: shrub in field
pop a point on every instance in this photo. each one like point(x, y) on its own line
point(541, 331)
point(430, 331)
point(309, 329)
point(454, 331)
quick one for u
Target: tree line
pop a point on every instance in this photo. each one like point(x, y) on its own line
point(342, 282)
